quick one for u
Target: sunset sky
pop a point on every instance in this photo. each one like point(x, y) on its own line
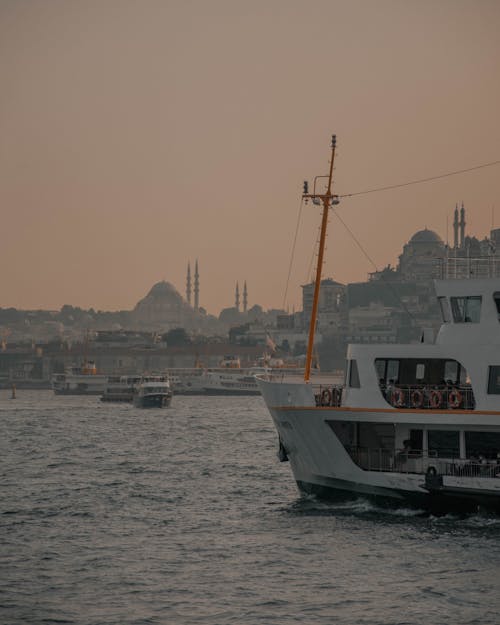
point(138, 136)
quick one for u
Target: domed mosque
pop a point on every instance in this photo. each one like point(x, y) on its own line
point(163, 307)
point(421, 255)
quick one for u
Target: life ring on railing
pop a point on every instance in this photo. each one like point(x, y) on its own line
point(436, 399)
point(455, 399)
point(326, 397)
point(398, 398)
point(336, 396)
point(416, 399)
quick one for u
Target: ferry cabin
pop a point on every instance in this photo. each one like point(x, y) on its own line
point(429, 400)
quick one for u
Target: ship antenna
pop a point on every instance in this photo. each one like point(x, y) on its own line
point(328, 200)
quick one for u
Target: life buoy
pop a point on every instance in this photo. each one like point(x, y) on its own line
point(336, 396)
point(416, 399)
point(455, 398)
point(398, 398)
point(326, 397)
point(436, 399)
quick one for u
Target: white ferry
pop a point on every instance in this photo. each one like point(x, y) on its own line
point(229, 378)
point(120, 388)
point(83, 380)
point(153, 391)
point(412, 424)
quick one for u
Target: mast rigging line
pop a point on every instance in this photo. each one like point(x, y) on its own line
point(365, 253)
point(421, 180)
point(376, 190)
point(293, 251)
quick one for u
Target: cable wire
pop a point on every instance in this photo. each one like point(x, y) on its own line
point(293, 251)
point(365, 253)
point(421, 180)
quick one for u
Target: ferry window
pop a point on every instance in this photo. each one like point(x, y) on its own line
point(380, 369)
point(496, 296)
point(354, 375)
point(393, 370)
point(445, 309)
point(494, 380)
point(387, 370)
point(444, 443)
point(485, 444)
point(466, 309)
point(416, 440)
point(420, 371)
point(451, 371)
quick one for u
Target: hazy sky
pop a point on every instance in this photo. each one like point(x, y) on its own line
point(135, 136)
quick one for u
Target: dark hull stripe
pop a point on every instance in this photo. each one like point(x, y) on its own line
point(437, 501)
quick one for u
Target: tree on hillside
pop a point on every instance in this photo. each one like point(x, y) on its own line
point(177, 337)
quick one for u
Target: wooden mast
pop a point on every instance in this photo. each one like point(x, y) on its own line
point(328, 200)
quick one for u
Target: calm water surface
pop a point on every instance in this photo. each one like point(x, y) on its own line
point(114, 515)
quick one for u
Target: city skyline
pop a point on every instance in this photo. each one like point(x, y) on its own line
point(137, 137)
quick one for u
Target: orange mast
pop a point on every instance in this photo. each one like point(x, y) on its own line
point(328, 200)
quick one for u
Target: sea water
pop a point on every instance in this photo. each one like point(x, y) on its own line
point(115, 515)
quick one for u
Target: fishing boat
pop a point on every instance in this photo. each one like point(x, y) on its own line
point(153, 391)
point(415, 424)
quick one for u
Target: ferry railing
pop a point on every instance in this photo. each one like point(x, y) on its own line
point(420, 462)
point(469, 468)
point(328, 395)
point(454, 267)
point(429, 397)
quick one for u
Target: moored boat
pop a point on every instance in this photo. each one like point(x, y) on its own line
point(82, 380)
point(412, 424)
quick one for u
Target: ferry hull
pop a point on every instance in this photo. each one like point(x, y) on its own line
point(233, 392)
point(436, 502)
point(153, 401)
point(322, 465)
point(77, 391)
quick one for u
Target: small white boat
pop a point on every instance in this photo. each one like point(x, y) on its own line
point(153, 391)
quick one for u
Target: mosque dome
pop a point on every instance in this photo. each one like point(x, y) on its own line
point(426, 236)
point(163, 290)
point(163, 306)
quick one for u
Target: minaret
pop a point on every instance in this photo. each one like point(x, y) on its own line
point(455, 228)
point(237, 298)
point(245, 297)
point(188, 285)
point(462, 226)
point(196, 286)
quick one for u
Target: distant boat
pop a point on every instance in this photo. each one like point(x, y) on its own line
point(121, 388)
point(153, 391)
point(229, 378)
point(83, 380)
